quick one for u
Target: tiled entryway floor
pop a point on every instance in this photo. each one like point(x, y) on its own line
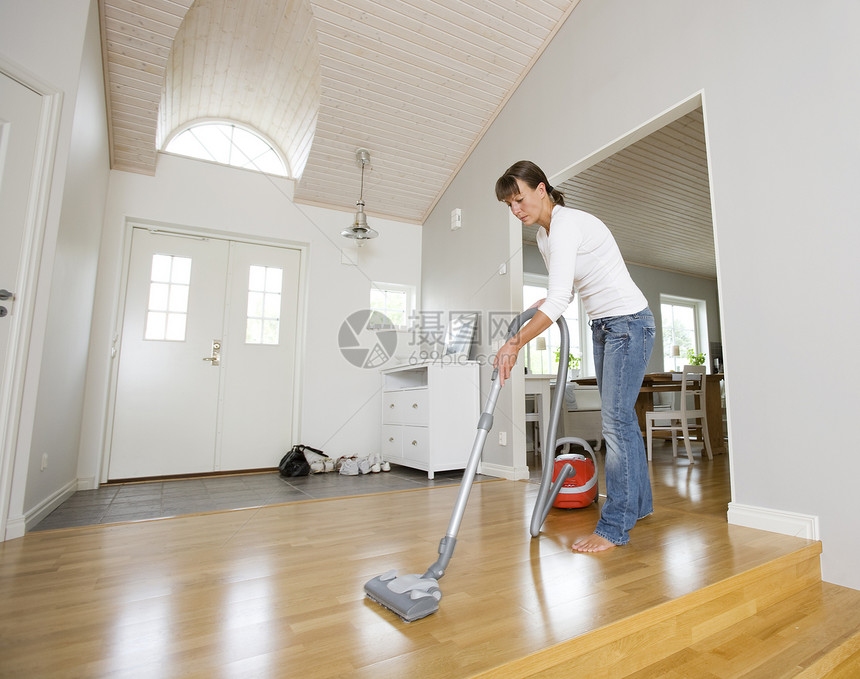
point(161, 499)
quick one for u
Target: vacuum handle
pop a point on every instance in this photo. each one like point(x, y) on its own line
point(514, 328)
point(520, 321)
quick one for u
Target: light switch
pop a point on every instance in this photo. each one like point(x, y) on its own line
point(456, 219)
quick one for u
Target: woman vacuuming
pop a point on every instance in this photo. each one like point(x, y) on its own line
point(581, 256)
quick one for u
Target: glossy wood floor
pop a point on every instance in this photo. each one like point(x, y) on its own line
point(277, 591)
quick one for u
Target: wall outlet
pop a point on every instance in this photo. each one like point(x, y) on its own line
point(503, 438)
point(44, 462)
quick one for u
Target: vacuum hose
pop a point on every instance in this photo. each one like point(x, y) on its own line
point(544, 499)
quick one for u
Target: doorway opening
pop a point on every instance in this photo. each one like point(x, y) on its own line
point(652, 189)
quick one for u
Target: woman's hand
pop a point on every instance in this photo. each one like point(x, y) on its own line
point(507, 355)
point(537, 304)
point(505, 360)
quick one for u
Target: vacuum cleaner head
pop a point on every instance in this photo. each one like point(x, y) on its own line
point(410, 596)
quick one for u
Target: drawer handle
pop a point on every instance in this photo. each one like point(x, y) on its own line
point(414, 443)
point(414, 405)
point(390, 405)
point(390, 439)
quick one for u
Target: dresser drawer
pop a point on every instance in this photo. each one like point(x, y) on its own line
point(405, 407)
point(392, 438)
point(416, 444)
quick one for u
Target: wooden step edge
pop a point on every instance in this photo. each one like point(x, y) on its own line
point(829, 662)
point(650, 635)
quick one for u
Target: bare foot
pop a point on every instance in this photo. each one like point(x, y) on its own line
point(593, 543)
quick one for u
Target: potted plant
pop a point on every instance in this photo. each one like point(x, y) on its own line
point(695, 359)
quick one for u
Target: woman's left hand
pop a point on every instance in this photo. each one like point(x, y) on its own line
point(505, 360)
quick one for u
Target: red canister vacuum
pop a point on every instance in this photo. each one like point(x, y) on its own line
point(579, 489)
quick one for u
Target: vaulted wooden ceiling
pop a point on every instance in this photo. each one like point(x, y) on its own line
point(416, 82)
point(655, 197)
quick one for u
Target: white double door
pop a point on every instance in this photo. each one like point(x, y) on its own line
point(207, 358)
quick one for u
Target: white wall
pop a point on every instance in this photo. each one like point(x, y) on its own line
point(781, 110)
point(340, 402)
point(59, 44)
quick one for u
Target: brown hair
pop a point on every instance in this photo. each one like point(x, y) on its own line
point(530, 175)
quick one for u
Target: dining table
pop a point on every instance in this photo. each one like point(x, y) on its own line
point(655, 383)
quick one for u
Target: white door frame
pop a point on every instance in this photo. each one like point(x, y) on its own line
point(13, 383)
point(119, 306)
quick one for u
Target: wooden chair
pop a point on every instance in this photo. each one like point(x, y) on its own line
point(692, 407)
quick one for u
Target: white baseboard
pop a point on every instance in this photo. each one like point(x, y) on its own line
point(16, 526)
point(88, 483)
point(775, 521)
point(46, 506)
point(504, 471)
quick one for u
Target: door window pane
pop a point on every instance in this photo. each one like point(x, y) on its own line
point(180, 272)
point(175, 330)
point(161, 265)
point(274, 277)
point(264, 305)
point(155, 325)
point(255, 304)
point(178, 299)
point(167, 307)
point(158, 294)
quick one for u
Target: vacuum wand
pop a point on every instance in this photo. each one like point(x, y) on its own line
point(413, 596)
point(485, 424)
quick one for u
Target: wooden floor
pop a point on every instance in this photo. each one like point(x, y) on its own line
point(277, 592)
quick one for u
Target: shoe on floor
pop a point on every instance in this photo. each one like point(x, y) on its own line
point(349, 466)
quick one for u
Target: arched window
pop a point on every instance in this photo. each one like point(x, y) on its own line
point(228, 144)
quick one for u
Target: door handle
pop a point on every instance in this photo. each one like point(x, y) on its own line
point(215, 358)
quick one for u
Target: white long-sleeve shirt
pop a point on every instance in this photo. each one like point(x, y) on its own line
point(582, 256)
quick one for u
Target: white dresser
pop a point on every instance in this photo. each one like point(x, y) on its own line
point(430, 415)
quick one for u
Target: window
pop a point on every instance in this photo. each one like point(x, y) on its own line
point(264, 305)
point(228, 144)
point(167, 307)
point(395, 301)
point(684, 326)
point(540, 356)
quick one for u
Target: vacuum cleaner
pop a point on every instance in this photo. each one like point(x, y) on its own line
point(416, 596)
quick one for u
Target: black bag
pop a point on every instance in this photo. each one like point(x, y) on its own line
point(294, 463)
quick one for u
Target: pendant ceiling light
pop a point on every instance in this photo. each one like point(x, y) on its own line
point(360, 231)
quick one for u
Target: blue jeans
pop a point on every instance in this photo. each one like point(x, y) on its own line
point(622, 347)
